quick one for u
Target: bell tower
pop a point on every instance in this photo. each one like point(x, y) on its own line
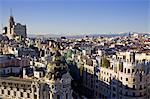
point(11, 24)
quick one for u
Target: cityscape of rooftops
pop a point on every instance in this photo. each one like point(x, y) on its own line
point(75, 49)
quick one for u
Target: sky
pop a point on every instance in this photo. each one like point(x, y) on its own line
point(73, 17)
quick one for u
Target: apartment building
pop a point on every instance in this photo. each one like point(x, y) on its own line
point(125, 79)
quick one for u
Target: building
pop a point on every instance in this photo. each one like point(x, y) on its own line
point(14, 30)
point(27, 83)
point(125, 79)
point(59, 78)
point(19, 88)
point(11, 60)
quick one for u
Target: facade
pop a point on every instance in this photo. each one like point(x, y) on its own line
point(124, 78)
point(8, 60)
point(121, 76)
point(27, 83)
point(16, 88)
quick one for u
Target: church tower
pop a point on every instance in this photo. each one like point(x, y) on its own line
point(10, 27)
point(58, 78)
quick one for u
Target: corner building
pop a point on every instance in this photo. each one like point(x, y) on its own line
point(125, 79)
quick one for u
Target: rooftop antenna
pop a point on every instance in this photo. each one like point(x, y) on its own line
point(11, 12)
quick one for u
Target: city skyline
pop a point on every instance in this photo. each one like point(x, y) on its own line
point(78, 17)
point(74, 49)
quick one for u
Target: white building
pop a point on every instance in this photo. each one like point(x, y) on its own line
point(125, 79)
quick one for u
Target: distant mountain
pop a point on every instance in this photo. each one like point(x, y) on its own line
point(83, 35)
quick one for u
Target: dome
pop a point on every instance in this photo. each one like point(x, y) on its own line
point(57, 67)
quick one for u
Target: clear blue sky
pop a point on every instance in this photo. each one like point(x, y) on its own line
point(78, 16)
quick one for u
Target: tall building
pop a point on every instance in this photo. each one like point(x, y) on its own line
point(11, 24)
point(14, 30)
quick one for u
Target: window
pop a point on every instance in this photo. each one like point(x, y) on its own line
point(96, 93)
point(137, 70)
point(14, 93)
point(2, 91)
point(125, 70)
point(126, 93)
point(21, 94)
point(3, 83)
point(133, 80)
point(133, 94)
point(66, 95)
point(96, 81)
point(140, 93)
point(121, 92)
point(11, 88)
point(133, 86)
point(58, 96)
point(107, 80)
point(34, 89)
point(8, 92)
point(52, 86)
point(114, 89)
point(35, 96)
point(124, 57)
point(28, 95)
point(140, 78)
point(126, 79)
point(140, 87)
point(128, 70)
point(114, 95)
point(132, 70)
point(104, 78)
point(113, 82)
point(121, 78)
point(96, 86)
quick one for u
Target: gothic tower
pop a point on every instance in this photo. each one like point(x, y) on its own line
point(10, 27)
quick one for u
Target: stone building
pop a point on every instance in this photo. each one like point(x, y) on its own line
point(55, 83)
point(14, 30)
